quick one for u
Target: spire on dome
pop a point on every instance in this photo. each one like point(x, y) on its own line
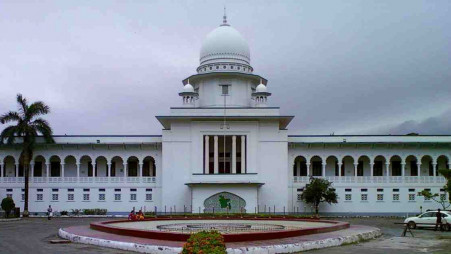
point(224, 18)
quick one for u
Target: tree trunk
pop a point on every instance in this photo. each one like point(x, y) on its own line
point(316, 209)
point(26, 167)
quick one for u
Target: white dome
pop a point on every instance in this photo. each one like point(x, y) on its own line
point(261, 89)
point(224, 44)
point(188, 88)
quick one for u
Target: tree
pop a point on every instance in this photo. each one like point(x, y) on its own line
point(447, 174)
point(8, 205)
point(436, 197)
point(28, 125)
point(319, 191)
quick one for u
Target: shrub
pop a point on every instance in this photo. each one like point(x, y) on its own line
point(205, 242)
point(63, 212)
point(96, 211)
point(8, 205)
point(75, 212)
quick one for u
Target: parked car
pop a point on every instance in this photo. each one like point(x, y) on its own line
point(429, 217)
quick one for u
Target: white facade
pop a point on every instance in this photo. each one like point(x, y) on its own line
point(224, 138)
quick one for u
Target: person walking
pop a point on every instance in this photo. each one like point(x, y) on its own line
point(438, 222)
point(49, 212)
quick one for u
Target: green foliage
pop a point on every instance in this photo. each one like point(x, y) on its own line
point(318, 191)
point(8, 205)
point(436, 197)
point(447, 174)
point(96, 211)
point(27, 126)
point(75, 212)
point(205, 242)
point(63, 213)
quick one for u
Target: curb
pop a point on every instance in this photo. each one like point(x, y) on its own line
point(12, 219)
point(282, 248)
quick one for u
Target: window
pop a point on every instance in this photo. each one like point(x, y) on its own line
point(117, 190)
point(396, 168)
point(299, 196)
point(380, 197)
point(411, 197)
point(101, 196)
point(442, 197)
point(363, 190)
point(413, 168)
point(348, 197)
point(85, 197)
point(9, 190)
point(117, 197)
point(23, 197)
point(378, 168)
point(70, 197)
point(39, 197)
point(411, 190)
point(39, 190)
point(225, 89)
point(148, 196)
point(364, 197)
point(70, 190)
point(395, 190)
point(380, 190)
point(133, 197)
point(396, 197)
point(101, 190)
point(55, 190)
point(348, 190)
point(133, 190)
point(85, 189)
point(54, 197)
point(148, 189)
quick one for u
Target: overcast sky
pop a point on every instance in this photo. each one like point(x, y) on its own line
point(348, 67)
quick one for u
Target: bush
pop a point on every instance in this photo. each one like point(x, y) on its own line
point(205, 242)
point(75, 212)
point(8, 205)
point(63, 213)
point(96, 211)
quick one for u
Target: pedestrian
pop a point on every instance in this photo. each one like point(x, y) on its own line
point(438, 222)
point(49, 212)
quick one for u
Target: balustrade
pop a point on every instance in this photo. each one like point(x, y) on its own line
point(374, 179)
point(144, 179)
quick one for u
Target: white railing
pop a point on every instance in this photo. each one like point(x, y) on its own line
point(90, 179)
point(374, 179)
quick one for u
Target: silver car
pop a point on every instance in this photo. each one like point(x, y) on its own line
point(429, 217)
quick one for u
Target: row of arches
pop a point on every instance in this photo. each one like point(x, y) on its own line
point(85, 166)
point(380, 165)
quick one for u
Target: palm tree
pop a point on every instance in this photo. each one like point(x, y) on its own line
point(28, 126)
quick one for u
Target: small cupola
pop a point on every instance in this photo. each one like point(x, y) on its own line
point(260, 96)
point(188, 95)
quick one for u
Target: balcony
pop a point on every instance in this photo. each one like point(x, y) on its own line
point(374, 179)
point(56, 180)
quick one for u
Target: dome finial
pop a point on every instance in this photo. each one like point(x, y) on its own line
point(224, 18)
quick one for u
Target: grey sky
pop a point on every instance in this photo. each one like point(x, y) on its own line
point(106, 67)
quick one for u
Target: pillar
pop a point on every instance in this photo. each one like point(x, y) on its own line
point(308, 168)
point(140, 169)
point(2, 166)
point(372, 169)
point(233, 154)
point(403, 169)
point(47, 170)
point(207, 155)
point(94, 170)
point(31, 170)
point(387, 169)
point(434, 169)
point(339, 168)
point(419, 168)
point(323, 173)
point(216, 155)
point(78, 171)
point(109, 168)
point(62, 169)
point(355, 168)
point(17, 170)
point(125, 169)
point(243, 154)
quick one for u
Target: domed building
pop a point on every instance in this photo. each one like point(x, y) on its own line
point(226, 141)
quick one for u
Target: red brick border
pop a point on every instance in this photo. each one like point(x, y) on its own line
point(239, 237)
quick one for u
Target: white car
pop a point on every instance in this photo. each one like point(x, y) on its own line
point(429, 217)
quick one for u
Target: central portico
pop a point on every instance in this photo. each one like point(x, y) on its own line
point(214, 142)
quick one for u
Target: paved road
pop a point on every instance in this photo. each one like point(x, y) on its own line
point(33, 235)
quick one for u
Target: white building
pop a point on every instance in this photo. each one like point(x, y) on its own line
point(225, 143)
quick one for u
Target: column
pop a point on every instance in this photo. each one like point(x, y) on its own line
point(140, 165)
point(47, 171)
point(216, 156)
point(403, 170)
point(387, 170)
point(298, 168)
point(323, 173)
point(207, 155)
point(2, 166)
point(419, 168)
point(339, 168)
point(308, 168)
point(434, 169)
point(94, 170)
point(17, 170)
point(125, 169)
point(355, 169)
point(78, 171)
point(31, 170)
point(109, 169)
point(372, 169)
point(234, 154)
point(62, 170)
point(243, 154)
